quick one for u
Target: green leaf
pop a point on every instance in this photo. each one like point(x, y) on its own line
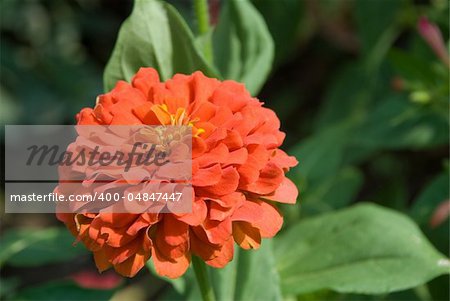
point(154, 35)
point(364, 249)
point(30, 247)
point(62, 291)
point(243, 47)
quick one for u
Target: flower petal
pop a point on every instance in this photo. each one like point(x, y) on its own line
point(287, 193)
point(246, 236)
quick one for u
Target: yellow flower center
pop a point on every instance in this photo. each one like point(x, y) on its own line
point(180, 118)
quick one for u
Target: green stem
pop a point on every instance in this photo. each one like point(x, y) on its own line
point(202, 16)
point(203, 279)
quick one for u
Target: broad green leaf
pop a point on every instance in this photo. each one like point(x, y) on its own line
point(154, 35)
point(364, 249)
point(62, 291)
point(243, 47)
point(31, 247)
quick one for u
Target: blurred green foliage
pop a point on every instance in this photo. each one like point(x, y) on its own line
point(362, 97)
point(52, 56)
point(24, 247)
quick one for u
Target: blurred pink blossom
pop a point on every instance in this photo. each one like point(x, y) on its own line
point(440, 214)
point(92, 279)
point(433, 36)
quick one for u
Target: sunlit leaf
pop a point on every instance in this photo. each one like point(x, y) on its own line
point(243, 47)
point(154, 35)
point(364, 249)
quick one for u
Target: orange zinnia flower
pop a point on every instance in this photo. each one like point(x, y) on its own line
point(238, 172)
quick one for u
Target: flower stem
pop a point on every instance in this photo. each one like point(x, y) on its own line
point(201, 274)
point(202, 16)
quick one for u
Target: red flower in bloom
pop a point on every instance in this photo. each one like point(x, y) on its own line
point(238, 173)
